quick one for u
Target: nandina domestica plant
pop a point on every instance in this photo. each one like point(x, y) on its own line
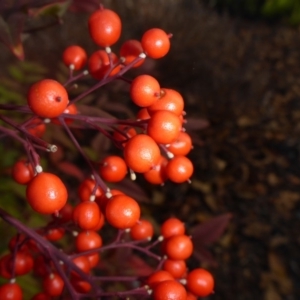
point(65, 254)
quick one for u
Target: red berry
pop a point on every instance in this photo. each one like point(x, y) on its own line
point(172, 227)
point(113, 168)
point(157, 175)
point(47, 98)
point(99, 64)
point(10, 291)
point(182, 145)
point(46, 193)
point(143, 114)
point(36, 127)
point(82, 262)
point(87, 240)
point(130, 50)
point(143, 229)
point(179, 247)
point(55, 234)
point(87, 215)
point(86, 188)
point(71, 110)
point(22, 172)
point(124, 133)
point(158, 276)
point(53, 285)
point(179, 169)
point(74, 55)
point(81, 286)
point(164, 127)
point(122, 212)
point(200, 282)
point(41, 296)
point(177, 268)
point(141, 153)
point(169, 290)
point(169, 100)
point(104, 27)
point(155, 43)
point(144, 90)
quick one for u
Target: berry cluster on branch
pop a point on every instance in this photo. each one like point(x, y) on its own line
point(153, 144)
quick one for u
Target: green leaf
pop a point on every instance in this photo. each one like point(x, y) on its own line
point(56, 9)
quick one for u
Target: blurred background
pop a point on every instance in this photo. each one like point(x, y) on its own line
point(237, 64)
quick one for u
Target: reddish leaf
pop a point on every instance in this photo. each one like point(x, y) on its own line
point(138, 266)
point(210, 231)
point(196, 124)
point(11, 34)
point(204, 255)
point(70, 169)
point(132, 189)
point(84, 6)
point(56, 9)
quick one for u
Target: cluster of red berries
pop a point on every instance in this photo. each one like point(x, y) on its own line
point(154, 144)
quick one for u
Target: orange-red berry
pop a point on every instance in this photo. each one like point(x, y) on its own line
point(141, 153)
point(47, 98)
point(156, 43)
point(74, 55)
point(46, 193)
point(105, 27)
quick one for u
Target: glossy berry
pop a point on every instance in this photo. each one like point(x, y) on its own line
point(142, 230)
point(87, 240)
point(158, 276)
point(93, 259)
point(172, 227)
point(103, 200)
point(113, 168)
point(179, 169)
point(74, 56)
point(41, 296)
point(122, 212)
point(141, 153)
point(66, 213)
point(155, 43)
point(182, 145)
point(11, 291)
point(86, 188)
point(80, 286)
point(99, 64)
point(169, 100)
point(144, 90)
point(164, 127)
point(143, 114)
point(22, 172)
point(36, 127)
point(200, 282)
point(191, 296)
point(87, 215)
point(130, 50)
point(179, 247)
point(169, 289)
point(104, 27)
point(157, 174)
point(47, 98)
point(54, 234)
point(71, 110)
point(82, 263)
point(177, 268)
point(124, 133)
point(23, 263)
point(53, 285)
point(46, 193)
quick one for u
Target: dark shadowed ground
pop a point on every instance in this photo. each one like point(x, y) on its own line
point(244, 78)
